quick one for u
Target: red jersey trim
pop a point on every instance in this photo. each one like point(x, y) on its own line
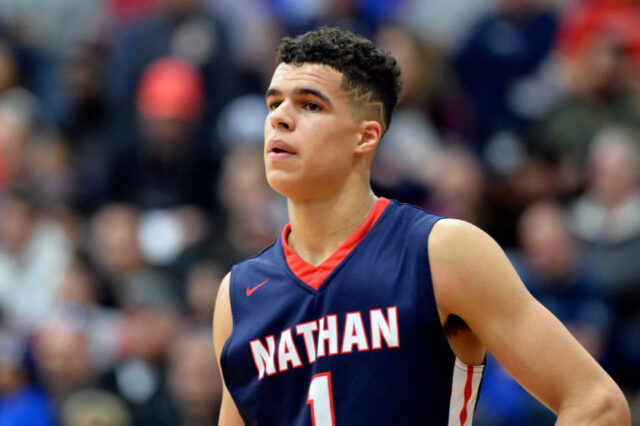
point(314, 276)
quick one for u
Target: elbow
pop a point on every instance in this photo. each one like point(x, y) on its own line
point(603, 405)
point(612, 407)
point(621, 409)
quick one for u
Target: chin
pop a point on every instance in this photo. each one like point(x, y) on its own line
point(294, 189)
point(281, 183)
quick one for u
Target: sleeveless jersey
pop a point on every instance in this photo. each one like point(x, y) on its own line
point(354, 341)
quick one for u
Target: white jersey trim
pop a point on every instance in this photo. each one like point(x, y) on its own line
point(464, 393)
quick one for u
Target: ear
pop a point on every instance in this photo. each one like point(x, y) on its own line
point(369, 137)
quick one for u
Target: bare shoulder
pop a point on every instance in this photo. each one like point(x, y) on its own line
point(466, 261)
point(450, 237)
point(222, 317)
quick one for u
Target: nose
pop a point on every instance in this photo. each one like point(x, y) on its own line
point(281, 118)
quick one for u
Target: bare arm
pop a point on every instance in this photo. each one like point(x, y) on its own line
point(474, 280)
point(222, 327)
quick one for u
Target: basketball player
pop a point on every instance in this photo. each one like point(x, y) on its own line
point(368, 311)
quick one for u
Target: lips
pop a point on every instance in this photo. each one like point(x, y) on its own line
point(279, 150)
point(279, 146)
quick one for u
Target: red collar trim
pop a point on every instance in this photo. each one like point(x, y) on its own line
point(314, 276)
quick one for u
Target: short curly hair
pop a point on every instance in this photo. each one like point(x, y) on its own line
point(366, 69)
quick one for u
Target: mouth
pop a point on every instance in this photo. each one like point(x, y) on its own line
point(279, 150)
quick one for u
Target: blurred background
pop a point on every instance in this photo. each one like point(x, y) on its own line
point(131, 179)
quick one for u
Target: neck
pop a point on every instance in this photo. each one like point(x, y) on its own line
point(319, 227)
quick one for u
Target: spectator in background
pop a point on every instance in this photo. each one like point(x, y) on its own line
point(33, 153)
point(445, 23)
point(505, 47)
point(42, 32)
point(50, 169)
point(254, 32)
point(94, 407)
point(54, 28)
point(16, 128)
point(194, 378)
point(419, 62)
point(34, 157)
point(585, 21)
point(606, 222)
point(9, 67)
point(62, 357)
point(113, 244)
point(202, 285)
point(125, 242)
point(87, 125)
point(460, 190)
point(152, 317)
point(605, 217)
point(22, 403)
point(21, 119)
point(166, 167)
point(598, 94)
point(34, 253)
point(80, 296)
point(183, 29)
point(552, 266)
point(539, 176)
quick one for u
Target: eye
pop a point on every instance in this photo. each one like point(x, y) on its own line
point(273, 105)
point(310, 106)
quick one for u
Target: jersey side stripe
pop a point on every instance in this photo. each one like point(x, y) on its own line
point(464, 393)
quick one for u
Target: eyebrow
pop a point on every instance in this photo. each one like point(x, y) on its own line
point(300, 91)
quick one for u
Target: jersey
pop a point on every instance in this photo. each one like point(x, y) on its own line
point(356, 340)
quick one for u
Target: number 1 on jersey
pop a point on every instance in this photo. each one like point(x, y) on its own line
point(321, 400)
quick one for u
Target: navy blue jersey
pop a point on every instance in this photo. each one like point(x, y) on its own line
point(356, 340)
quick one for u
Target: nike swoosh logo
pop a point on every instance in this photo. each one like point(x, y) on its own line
point(251, 290)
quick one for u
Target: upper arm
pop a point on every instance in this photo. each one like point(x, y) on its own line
point(474, 280)
point(222, 328)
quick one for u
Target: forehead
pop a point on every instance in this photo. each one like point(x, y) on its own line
point(308, 75)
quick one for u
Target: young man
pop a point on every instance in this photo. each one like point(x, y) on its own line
point(367, 311)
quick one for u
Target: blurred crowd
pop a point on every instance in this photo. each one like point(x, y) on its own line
point(131, 179)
